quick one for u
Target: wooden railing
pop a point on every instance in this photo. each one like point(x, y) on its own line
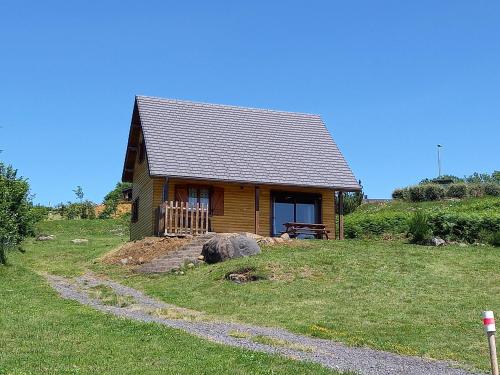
point(181, 218)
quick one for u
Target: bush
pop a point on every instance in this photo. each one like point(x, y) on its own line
point(416, 193)
point(71, 211)
point(17, 219)
point(458, 190)
point(362, 225)
point(492, 189)
point(433, 192)
point(495, 239)
point(475, 190)
point(401, 194)
point(419, 229)
point(468, 227)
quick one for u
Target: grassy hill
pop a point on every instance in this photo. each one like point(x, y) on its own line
point(388, 295)
point(44, 334)
point(462, 220)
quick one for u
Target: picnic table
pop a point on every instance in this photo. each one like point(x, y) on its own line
point(317, 230)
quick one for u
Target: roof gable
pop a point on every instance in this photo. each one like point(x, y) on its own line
point(219, 142)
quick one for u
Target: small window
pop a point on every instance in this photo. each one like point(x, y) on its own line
point(198, 195)
point(135, 210)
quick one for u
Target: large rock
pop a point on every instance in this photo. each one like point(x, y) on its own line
point(79, 241)
point(43, 237)
point(437, 241)
point(227, 246)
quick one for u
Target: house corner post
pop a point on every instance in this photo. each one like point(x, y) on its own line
point(341, 215)
point(257, 209)
point(334, 227)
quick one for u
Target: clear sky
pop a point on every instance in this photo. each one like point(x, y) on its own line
point(390, 78)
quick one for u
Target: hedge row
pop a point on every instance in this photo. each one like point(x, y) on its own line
point(469, 227)
point(435, 192)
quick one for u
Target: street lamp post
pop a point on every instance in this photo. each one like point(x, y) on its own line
point(439, 159)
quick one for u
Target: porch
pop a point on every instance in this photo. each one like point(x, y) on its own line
point(259, 210)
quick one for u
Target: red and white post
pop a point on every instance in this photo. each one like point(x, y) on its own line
point(489, 328)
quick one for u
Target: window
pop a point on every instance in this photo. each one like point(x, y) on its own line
point(135, 210)
point(198, 195)
point(213, 197)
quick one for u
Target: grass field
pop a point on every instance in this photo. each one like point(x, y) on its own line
point(44, 334)
point(384, 294)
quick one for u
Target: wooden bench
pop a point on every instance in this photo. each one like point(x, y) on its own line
point(296, 229)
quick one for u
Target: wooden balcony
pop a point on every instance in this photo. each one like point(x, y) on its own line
point(181, 218)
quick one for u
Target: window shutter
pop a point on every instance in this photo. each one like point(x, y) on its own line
point(181, 193)
point(217, 202)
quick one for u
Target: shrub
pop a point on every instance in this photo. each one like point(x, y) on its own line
point(419, 229)
point(17, 218)
point(495, 239)
point(475, 190)
point(492, 189)
point(401, 194)
point(416, 193)
point(71, 211)
point(458, 190)
point(433, 192)
point(468, 227)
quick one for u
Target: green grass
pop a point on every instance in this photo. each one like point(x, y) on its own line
point(393, 296)
point(106, 295)
point(43, 334)
point(388, 295)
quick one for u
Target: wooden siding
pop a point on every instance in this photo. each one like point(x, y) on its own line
point(146, 189)
point(239, 205)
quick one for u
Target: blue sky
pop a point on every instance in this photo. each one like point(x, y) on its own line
point(390, 78)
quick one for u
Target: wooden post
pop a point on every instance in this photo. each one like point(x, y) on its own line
point(493, 353)
point(165, 221)
point(197, 217)
point(257, 209)
point(171, 214)
point(341, 215)
point(490, 328)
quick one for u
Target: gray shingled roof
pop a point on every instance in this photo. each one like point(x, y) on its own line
point(220, 142)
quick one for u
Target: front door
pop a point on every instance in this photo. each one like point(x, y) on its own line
point(294, 207)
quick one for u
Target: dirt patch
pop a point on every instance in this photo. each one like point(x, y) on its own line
point(244, 275)
point(143, 251)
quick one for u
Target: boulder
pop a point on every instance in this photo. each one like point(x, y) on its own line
point(437, 241)
point(43, 237)
point(224, 246)
point(285, 236)
point(79, 240)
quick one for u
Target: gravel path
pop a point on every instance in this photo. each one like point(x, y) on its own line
point(328, 353)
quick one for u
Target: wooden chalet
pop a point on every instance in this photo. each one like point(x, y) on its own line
point(198, 167)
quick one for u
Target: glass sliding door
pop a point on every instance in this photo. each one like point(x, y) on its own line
point(283, 213)
point(294, 207)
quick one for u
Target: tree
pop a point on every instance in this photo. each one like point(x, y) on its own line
point(112, 199)
point(79, 193)
point(16, 218)
point(353, 200)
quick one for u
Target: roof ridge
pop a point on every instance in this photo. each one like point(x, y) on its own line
point(227, 106)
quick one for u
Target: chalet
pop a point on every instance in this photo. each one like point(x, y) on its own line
point(198, 167)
